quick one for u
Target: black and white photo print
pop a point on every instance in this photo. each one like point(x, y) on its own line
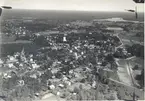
point(72, 50)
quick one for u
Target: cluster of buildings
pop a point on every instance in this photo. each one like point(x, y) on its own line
point(61, 64)
point(66, 60)
point(73, 62)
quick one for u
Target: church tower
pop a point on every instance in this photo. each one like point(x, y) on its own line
point(22, 55)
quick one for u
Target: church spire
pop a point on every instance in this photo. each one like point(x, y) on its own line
point(23, 58)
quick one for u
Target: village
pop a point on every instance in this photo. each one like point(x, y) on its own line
point(75, 61)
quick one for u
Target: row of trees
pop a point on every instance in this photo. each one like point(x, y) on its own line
point(136, 50)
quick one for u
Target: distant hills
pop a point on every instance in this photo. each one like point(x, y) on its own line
point(117, 20)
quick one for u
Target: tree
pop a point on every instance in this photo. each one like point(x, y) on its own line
point(40, 40)
point(137, 50)
point(135, 67)
point(109, 58)
point(142, 78)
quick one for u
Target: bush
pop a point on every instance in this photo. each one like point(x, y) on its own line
point(137, 50)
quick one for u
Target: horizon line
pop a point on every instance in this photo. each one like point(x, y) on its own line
point(71, 10)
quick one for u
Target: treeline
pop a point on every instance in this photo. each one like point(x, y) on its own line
point(136, 50)
point(140, 78)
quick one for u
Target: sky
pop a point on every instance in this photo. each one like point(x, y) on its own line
point(81, 5)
